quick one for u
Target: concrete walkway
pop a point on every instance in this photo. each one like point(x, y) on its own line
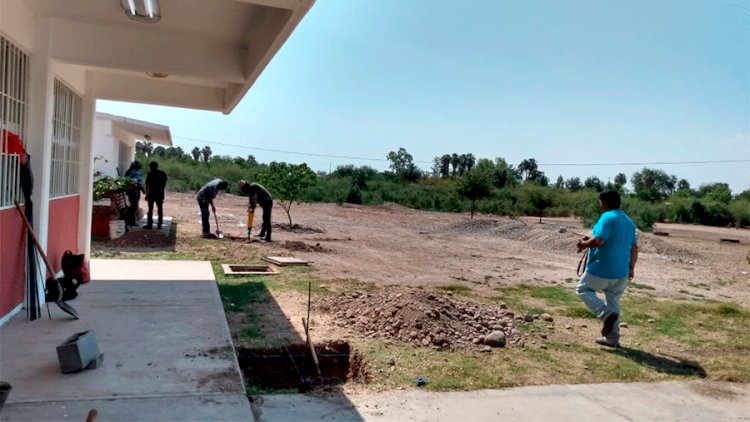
point(168, 355)
point(666, 401)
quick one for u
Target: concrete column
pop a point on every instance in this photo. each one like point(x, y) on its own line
point(39, 143)
point(86, 169)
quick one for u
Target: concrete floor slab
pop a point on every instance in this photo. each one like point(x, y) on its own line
point(166, 347)
point(666, 401)
point(156, 270)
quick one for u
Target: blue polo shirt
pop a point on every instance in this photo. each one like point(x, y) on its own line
point(612, 259)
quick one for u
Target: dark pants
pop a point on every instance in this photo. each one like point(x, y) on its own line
point(265, 228)
point(159, 203)
point(204, 217)
point(133, 197)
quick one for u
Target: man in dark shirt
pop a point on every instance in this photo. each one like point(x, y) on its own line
point(206, 196)
point(156, 181)
point(258, 195)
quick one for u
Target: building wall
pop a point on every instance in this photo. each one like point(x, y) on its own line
point(105, 148)
point(12, 260)
point(63, 228)
point(17, 23)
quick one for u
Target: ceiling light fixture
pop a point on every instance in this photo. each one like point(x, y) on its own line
point(142, 10)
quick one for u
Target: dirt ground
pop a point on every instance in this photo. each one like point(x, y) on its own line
point(400, 249)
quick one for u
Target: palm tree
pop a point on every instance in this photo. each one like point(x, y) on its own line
point(206, 151)
point(196, 152)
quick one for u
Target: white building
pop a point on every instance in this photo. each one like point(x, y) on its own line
point(59, 56)
point(114, 141)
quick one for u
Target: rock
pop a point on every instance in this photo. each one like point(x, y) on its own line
point(485, 349)
point(547, 317)
point(497, 327)
point(623, 325)
point(562, 230)
point(700, 323)
point(495, 339)
point(528, 318)
point(535, 316)
point(426, 341)
point(481, 339)
point(544, 336)
point(475, 341)
point(503, 305)
point(651, 320)
point(584, 326)
point(392, 361)
point(543, 346)
point(568, 327)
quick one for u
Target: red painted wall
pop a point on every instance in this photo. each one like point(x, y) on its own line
point(12, 260)
point(63, 228)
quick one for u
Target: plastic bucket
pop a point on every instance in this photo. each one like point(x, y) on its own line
point(116, 229)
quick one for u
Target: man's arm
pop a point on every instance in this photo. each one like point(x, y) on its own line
point(633, 260)
point(585, 243)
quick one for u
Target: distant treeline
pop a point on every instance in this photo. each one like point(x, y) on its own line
point(495, 187)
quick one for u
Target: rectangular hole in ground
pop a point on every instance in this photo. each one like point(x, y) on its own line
point(250, 268)
point(272, 368)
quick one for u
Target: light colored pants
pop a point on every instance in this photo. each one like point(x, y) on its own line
point(612, 288)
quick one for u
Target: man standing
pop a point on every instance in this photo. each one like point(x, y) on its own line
point(612, 254)
point(258, 195)
point(206, 196)
point(134, 192)
point(156, 182)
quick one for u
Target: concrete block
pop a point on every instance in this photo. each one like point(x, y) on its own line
point(78, 352)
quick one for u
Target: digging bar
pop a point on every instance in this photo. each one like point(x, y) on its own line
point(312, 348)
point(64, 306)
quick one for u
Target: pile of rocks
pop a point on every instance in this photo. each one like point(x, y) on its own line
point(425, 319)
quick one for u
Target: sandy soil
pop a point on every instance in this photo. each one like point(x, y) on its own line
point(393, 245)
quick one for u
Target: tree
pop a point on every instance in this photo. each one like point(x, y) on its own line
point(287, 182)
point(145, 148)
point(402, 163)
point(539, 178)
point(527, 168)
point(455, 161)
point(206, 151)
point(196, 152)
point(683, 185)
point(539, 198)
point(445, 166)
point(652, 184)
point(474, 185)
point(593, 183)
point(160, 151)
point(716, 192)
point(251, 161)
point(574, 184)
point(621, 179)
point(560, 183)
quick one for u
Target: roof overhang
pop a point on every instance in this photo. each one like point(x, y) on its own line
point(138, 129)
point(211, 51)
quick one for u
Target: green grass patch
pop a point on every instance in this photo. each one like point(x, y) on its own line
point(459, 289)
point(640, 286)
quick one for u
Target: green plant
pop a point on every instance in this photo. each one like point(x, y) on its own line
point(287, 182)
point(108, 185)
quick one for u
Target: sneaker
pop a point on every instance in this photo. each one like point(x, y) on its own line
point(603, 341)
point(208, 235)
point(609, 324)
point(148, 227)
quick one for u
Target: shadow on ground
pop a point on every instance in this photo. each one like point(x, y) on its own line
point(663, 363)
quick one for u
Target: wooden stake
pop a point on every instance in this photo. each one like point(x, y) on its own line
point(312, 347)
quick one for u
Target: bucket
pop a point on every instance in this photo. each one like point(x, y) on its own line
point(4, 392)
point(116, 229)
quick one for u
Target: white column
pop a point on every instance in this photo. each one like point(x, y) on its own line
point(86, 169)
point(39, 136)
point(39, 143)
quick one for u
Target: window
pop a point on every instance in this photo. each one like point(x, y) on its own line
point(66, 135)
point(14, 87)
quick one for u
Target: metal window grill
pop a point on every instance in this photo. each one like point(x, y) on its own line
point(14, 87)
point(66, 135)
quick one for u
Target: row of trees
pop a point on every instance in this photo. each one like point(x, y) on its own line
point(488, 186)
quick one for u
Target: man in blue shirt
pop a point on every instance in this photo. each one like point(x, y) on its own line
point(612, 254)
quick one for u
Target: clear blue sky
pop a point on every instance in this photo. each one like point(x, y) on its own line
point(562, 82)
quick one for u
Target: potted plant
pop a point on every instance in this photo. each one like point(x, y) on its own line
point(113, 189)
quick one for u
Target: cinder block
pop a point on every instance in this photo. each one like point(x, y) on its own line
point(78, 352)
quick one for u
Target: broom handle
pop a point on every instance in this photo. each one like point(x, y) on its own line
point(36, 241)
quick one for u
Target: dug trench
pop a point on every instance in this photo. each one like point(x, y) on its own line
point(292, 367)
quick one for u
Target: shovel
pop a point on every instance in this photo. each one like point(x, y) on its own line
point(219, 233)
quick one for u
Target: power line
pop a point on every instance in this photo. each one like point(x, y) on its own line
point(346, 157)
point(652, 163)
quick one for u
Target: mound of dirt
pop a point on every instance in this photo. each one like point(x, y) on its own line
point(421, 318)
point(547, 237)
point(297, 246)
point(648, 243)
point(144, 238)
